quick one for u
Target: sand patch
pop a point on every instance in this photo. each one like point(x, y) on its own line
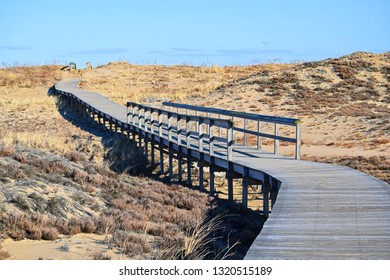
point(78, 247)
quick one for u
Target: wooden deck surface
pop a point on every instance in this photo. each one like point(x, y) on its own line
point(322, 211)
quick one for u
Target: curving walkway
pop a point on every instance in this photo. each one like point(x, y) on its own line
point(322, 211)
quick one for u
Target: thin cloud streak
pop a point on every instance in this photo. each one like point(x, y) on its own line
point(15, 48)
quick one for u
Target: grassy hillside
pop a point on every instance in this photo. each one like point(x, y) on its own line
point(343, 103)
point(56, 182)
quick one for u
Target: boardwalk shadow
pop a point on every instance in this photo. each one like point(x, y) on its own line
point(132, 161)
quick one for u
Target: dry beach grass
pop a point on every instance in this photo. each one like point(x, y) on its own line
point(59, 199)
point(343, 103)
point(58, 181)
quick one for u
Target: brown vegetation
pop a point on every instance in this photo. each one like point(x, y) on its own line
point(55, 180)
point(343, 103)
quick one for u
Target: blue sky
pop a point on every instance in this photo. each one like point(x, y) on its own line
point(195, 32)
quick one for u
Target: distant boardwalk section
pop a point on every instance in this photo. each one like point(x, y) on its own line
point(314, 210)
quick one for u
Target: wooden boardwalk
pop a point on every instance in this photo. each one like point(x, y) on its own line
point(321, 211)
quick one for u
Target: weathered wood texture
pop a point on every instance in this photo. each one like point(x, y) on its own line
point(322, 211)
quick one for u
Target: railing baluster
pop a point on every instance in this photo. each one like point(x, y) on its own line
point(139, 116)
point(298, 140)
point(146, 119)
point(133, 116)
point(188, 132)
point(219, 128)
point(211, 137)
point(152, 125)
point(197, 123)
point(230, 140)
point(276, 142)
point(259, 142)
point(160, 124)
point(201, 134)
point(169, 126)
point(188, 143)
point(178, 130)
point(245, 134)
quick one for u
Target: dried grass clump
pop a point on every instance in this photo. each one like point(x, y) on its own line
point(4, 254)
point(132, 244)
point(100, 256)
point(75, 156)
point(6, 151)
point(29, 76)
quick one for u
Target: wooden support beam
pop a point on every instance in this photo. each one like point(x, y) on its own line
point(146, 150)
point(229, 177)
point(265, 191)
point(201, 173)
point(274, 191)
point(152, 155)
point(189, 178)
point(245, 187)
point(212, 176)
point(180, 167)
point(170, 161)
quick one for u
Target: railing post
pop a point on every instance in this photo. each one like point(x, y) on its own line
point(188, 139)
point(259, 142)
point(152, 124)
point(211, 149)
point(245, 134)
point(170, 150)
point(211, 137)
point(160, 124)
point(161, 144)
point(139, 117)
point(265, 191)
point(127, 112)
point(208, 126)
point(230, 141)
point(219, 128)
point(143, 118)
point(245, 187)
point(201, 143)
point(212, 176)
point(146, 120)
point(179, 150)
point(133, 115)
point(178, 131)
point(298, 140)
point(197, 123)
point(276, 142)
point(169, 126)
point(201, 134)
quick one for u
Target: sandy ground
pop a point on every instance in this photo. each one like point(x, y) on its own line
point(80, 247)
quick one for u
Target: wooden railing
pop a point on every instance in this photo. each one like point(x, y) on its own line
point(178, 128)
point(245, 117)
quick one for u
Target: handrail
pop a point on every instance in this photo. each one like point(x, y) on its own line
point(230, 113)
point(147, 123)
point(276, 121)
